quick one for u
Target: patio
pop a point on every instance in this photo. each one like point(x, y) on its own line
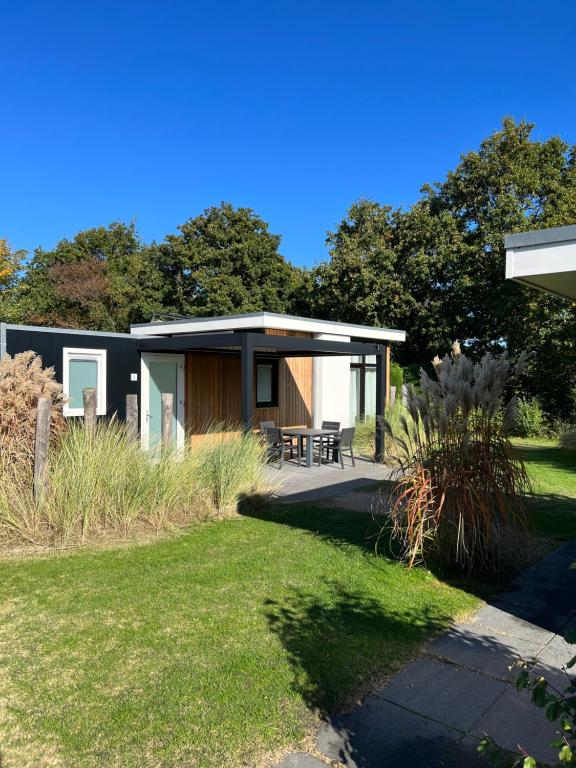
point(298, 484)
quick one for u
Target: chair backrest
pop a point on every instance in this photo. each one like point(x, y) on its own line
point(347, 435)
point(265, 426)
point(273, 436)
point(330, 425)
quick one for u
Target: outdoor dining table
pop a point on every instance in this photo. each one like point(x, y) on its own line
point(309, 434)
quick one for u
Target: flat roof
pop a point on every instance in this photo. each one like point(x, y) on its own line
point(540, 237)
point(544, 259)
point(263, 321)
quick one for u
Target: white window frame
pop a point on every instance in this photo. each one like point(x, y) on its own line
point(76, 353)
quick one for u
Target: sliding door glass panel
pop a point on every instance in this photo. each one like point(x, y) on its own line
point(354, 395)
point(370, 393)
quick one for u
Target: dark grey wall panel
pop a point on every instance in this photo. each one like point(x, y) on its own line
point(122, 358)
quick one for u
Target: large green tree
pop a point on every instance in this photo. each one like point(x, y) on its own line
point(225, 260)
point(437, 269)
point(102, 279)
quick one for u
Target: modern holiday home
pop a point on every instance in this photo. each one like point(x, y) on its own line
point(237, 369)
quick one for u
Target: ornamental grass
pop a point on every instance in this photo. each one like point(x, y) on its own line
point(461, 487)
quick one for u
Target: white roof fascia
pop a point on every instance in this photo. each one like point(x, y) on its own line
point(263, 320)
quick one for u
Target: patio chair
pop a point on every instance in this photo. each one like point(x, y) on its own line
point(289, 441)
point(344, 442)
point(327, 442)
point(275, 445)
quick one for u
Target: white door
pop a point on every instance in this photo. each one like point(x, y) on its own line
point(160, 374)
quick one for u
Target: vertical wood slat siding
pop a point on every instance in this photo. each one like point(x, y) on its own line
point(213, 390)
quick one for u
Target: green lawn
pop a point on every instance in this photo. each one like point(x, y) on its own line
point(215, 647)
point(553, 472)
point(212, 648)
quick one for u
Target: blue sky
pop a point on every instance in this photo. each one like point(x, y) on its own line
point(152, 111)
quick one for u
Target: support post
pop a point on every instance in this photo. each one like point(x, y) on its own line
point(381, 399)
point(247, 382)
point(166, 423)
point(132, 416)
point(41, 445)
point(89, 398)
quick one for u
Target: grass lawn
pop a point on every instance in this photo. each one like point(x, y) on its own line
point(212, 648)
point(553, 472)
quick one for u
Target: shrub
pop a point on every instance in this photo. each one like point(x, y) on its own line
point(22, 382)
point(397, 378)
point(462, 484)
point(529, 419)
point(105, 484)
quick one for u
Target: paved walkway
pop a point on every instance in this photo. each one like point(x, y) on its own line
point(433, 713)
point(299, 484)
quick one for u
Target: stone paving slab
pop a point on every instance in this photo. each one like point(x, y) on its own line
point(430, 687)
point(486, 653)
point(301, 760)
point(513, 722)
point(383, 735)
point(493, 620)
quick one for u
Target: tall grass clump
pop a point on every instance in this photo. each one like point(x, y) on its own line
point(462, 486)
point(103, 484)
point(365, 438)
point(229, 463)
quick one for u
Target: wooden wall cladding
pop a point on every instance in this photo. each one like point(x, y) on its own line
point(213, 391)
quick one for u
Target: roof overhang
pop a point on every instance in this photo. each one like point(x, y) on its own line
point(544, 259)
point(260, 321)
point(261, 344)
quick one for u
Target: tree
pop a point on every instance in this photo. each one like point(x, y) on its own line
point(223, 261)
point(102, 279)
point(10, 265)
point(437, 269)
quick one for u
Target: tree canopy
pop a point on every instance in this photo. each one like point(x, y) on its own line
point(435, 269)
point(225, 260)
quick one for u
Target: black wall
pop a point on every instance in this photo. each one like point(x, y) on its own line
point(122, 358)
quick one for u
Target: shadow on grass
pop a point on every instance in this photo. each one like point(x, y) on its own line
point(339, 643)
point(553, 516)
point(552, 456)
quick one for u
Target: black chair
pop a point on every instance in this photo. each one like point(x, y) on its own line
point(344, 442)
point(275, 445)
point(288, 441)
point(327, 442)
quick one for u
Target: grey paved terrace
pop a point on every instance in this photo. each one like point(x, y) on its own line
point(294, 484)
point(434, 712)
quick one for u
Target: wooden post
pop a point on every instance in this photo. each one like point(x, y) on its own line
point(132, 415)
point(41, 445)
point(89, 398)
point(166, 423)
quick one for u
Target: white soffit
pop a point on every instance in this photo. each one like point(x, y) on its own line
point(263, 321)
point(544, 259)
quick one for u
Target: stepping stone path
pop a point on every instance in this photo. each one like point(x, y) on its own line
point(435, 711)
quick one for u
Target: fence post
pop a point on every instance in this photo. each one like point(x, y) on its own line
point(132, 416)
point(89, 398)
point(166, 425)
point(41, 445)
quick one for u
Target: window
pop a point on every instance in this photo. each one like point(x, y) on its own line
point(362, 387)
point(267, 384)
point(83, 368)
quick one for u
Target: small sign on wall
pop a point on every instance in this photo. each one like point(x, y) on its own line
point(133, 377)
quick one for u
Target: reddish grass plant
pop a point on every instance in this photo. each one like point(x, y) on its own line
point(461, 485)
